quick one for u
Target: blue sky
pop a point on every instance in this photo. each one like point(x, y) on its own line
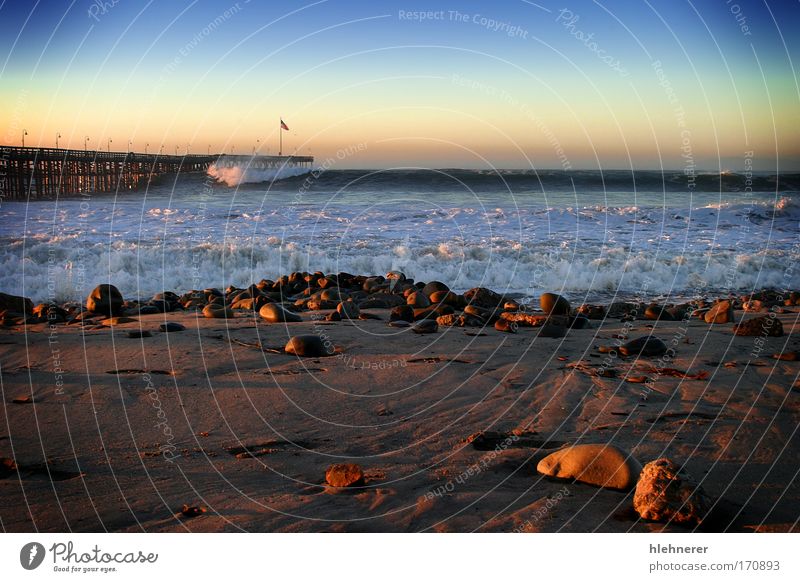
point(508, 83)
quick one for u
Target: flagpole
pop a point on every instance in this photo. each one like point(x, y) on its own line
point(280, 134)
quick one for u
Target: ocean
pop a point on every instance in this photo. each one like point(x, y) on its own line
point(590, 235)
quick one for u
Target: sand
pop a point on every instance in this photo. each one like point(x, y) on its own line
point(123, 432)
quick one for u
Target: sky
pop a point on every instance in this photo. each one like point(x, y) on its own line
point(700, 85)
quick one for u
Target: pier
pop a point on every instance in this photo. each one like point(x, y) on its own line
point(42, 173)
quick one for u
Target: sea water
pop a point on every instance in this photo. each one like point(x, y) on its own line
point(588, 235)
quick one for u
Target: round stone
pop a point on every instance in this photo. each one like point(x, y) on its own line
point(418, 299)
point(274, 313)
point(309, 346)
point(597, 464)
point(648, 346)
point(554, 304)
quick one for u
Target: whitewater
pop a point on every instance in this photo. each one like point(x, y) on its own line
point(588, 236)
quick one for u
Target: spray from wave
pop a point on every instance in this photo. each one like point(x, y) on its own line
point(243, 173)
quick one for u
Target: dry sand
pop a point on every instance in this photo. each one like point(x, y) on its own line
point(118, 449)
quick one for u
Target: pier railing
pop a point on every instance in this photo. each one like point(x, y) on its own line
point(30, 173)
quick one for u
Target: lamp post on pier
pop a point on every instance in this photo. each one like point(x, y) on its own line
point(108, 145)
point(58, 135)
point(85, 143)
point(24, 133)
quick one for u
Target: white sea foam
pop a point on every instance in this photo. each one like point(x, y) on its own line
point(243, 173)
point(61, 252)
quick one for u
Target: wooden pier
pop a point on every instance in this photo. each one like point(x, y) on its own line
point(42, 173)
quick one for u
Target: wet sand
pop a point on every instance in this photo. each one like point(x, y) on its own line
point(123, 432)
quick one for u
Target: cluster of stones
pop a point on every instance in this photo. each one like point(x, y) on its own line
point(664, 491)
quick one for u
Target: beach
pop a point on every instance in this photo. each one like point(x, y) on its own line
point(216, 428)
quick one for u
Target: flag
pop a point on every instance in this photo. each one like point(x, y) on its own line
point(284, 126)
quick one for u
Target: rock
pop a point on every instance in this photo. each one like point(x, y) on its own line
point(274, 313)
point(105, 299)
point(333, 294)
point(648, 346)
point(344, 475)
point(426, 326)
point(24, 399)
point(139, 333)
point(599, 465)
point(402, 313)
point(657, 313)
point(250, 304)
point(171, 326)
point(192, 510)
point(721, 312)
point(16, 304)
point(506, 326)
point(418, 299)
point(348, 310)
point(553, 304)
point(434, 287)
point(524, 319)
point(445, 298)
point(766, 325)
point(484, 297)
point(214, 311)
point(333, 316)
point(309, 346)
point(592, 311)
point(399, 323)
point(665, 492)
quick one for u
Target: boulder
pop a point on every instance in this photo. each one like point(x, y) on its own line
point(721, 312)
point(766, 325)
point(418, 299)
point(274, 313)
point(348, 310)
point(434, 287)
point(599, 465)
point(483, 297)
point(105, 299)
point(216, 311)
point(666, 492)
point(658, 313)
point(16, 304)
point(554, 304)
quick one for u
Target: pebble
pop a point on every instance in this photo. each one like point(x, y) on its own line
point(344, 475)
